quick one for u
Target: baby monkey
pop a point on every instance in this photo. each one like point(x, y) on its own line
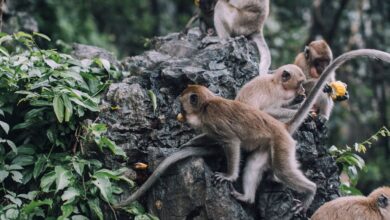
point(275, 93)
point(238, 126)
point(373, 207)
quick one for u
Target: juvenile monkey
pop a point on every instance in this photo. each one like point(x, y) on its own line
point(313, 61)
point(244, 17)
point(292, 125)
point(273, 93)
point(204, 14)
point(373, 207)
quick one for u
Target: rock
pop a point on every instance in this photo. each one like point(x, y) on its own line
point(185, 192)
point(81, 51)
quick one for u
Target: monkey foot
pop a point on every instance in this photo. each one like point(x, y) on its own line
point(298, 207)
point(241, 197)
point(219, 178)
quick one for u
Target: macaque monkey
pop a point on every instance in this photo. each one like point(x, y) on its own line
point(313, 61)
point(244, 17)
point(373, 207)
point(273, 93)
point(204, 13)
point(202, 145)
point(239, 126)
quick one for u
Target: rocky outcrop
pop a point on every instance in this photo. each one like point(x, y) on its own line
point(149, 133)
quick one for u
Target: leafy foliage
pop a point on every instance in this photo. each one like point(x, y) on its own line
point(45, 95)
point(352, 163)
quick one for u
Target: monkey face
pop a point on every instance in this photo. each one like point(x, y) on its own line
point(192, 100)
point(292, 78)
point(318, 56)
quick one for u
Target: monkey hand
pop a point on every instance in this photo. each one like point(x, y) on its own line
point(337, 91)
point(220, 178)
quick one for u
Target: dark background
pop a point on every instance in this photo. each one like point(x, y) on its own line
point(125, 26)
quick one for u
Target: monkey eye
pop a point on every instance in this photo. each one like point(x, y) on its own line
point(306, 51)
point(286, 75)
point(193, 99)
point(382, 201)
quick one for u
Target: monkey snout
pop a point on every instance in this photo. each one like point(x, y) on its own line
point(180, 118)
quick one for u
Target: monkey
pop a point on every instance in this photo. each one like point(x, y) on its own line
point(204, 14)
point(244, 17)
point(373, 207)
point(313, 60)
point(240, 126)
point(204, 141)
point(275, 93)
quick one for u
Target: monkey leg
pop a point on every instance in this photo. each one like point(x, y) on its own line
point(223, 19)
point(232, 152)
point(285, 167)
point(325, 105)
point(253, 172)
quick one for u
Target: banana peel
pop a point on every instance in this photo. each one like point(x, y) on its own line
point(337, 91)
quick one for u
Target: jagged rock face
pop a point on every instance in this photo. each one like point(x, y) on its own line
point(185, 191)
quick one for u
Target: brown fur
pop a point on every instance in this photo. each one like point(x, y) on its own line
point(268, 92)
point(356, 207)
point(237, 125)
point(313, 61)
point(244, 17)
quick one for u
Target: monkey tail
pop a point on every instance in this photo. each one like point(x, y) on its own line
point(264, 53)
point(179, 155)
point(298, 118)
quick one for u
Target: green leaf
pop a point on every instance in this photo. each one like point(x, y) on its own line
point(41, 36)
point(62, 177)
point(5, 126)
point(40, 166)
point(52, 64)
point(58, 106)
point(29, 208)
point(79, 217)
point(13, 146)
point(113, 147)
point(12, 214)
point(78, 167)
point(153, 99)
point(24, 160)
point(67, 210)
point(4, 51)
point(68, 107)
point(14, 200)
point(95, 207)
point(70, 194)
point(16, 176)
point(47, 180)
point(3, 174)
point(107, 173)
point(104, 186)
point(135, 208)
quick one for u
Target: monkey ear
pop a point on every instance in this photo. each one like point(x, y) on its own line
point(286, 76)
point(306, 51)
point(193, 99)
point(382, 201)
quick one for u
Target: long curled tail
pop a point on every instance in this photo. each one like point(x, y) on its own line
point(300, 116)
point(265, 55)
point(163, 166)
